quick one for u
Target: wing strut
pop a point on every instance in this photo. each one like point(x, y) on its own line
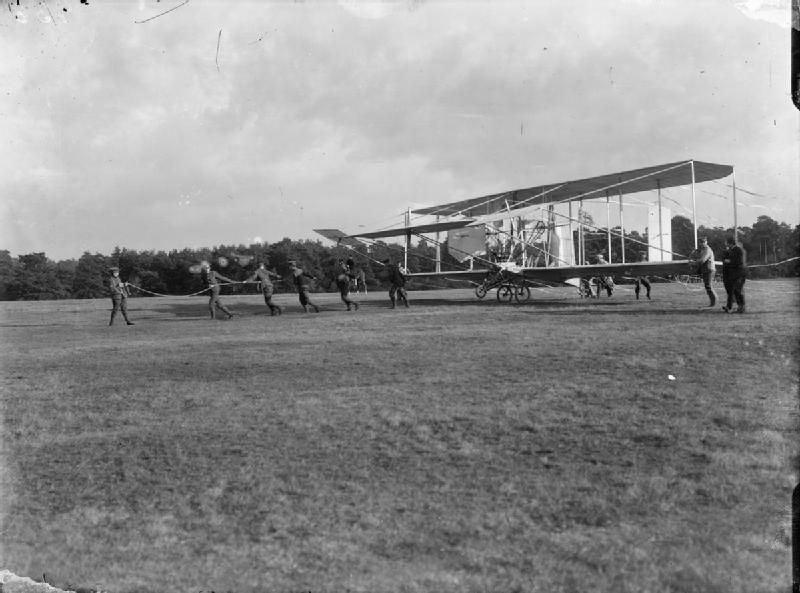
point(408, 239)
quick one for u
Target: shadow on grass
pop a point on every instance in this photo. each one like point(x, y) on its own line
point(635, 312)
point(36, 324)
point(571, 307)
point(193, 311)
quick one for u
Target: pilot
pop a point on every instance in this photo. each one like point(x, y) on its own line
point(642, 281)
point(119, 295)
point(606, 282)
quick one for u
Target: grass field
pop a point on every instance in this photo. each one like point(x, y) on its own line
point(459, 445)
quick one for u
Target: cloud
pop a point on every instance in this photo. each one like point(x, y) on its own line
point(777, 12)
point(373, 9)
point(327, 114)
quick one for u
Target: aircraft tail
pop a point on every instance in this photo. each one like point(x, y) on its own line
point(338, 237)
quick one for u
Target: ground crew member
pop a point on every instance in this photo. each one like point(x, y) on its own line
point(301, 278)
point(344, 278)
point(264, 277)
point(642, 281)
point(119, 295)
point(397, 281)
point(734, 274)
point(212, 278)
point(357, 279)
point(706, 269)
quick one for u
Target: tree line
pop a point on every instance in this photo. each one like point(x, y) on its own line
point(36, 277)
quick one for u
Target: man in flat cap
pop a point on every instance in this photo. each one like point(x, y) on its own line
point(707, 269)
point(119, 295)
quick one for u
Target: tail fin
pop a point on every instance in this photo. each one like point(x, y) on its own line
point(338, 237)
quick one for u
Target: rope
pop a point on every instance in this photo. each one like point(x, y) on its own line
point(139, 288)
point(774, 264)
point(364, 255)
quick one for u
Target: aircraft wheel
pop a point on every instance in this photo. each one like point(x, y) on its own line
point(480, 291)
point(505, 293)
point(522, 293)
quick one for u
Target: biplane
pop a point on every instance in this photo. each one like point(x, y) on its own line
point(533, 235)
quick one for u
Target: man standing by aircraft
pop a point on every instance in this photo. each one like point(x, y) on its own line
point(706, 269)
point(397, 281)
point(119, 295)
point(264, 277)
point(734, 274)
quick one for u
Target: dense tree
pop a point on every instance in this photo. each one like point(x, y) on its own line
point(65, 272)
point(766, 241)
point(770, 247)
point(6, 273)
point(89, 278)
point(682, 237)
point(36, 279)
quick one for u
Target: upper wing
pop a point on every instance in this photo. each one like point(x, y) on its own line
point(625, 182)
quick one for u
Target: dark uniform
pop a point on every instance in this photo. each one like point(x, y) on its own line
point(264, 277)
point(343, 280)
point(301, 279)
point(119, 296)
point(397, 288)
point(212, 279)
point(734, 274)
point(642, 281)
point(357, 278)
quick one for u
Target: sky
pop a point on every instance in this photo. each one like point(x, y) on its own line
point(240, 122)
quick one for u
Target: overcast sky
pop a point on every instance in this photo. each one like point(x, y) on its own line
point(238, 122)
